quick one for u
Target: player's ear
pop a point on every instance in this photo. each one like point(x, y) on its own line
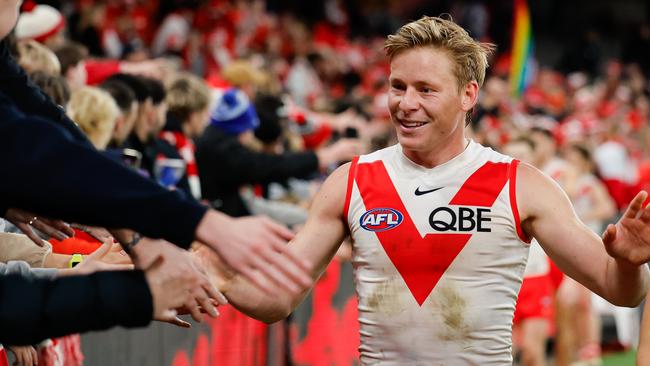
point(469, 95)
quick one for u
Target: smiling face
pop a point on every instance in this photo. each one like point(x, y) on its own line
point(427, 108)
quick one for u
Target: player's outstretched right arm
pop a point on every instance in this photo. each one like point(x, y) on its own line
point(316, 242)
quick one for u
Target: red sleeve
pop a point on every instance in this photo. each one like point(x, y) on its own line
point(81, 243)
point(100, 70)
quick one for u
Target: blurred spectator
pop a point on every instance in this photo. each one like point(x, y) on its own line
point(54, 86)
point(140, 92)
point(128, 110)
point(95, 112)
point(188, 100)
point(226, 164)
point(86, 26)
point(33, 57)
point(72, 57)
point(595, 208)
point(160, 159)
point(303, 81)
point(637, 48)
point(242, 75)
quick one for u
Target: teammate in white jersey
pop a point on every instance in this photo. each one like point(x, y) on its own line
point(439, 223)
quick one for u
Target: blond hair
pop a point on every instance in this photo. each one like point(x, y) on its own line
point(34, 57)
point(96, 112)
point(470, 57)
point(186, 94)
point(241, 72)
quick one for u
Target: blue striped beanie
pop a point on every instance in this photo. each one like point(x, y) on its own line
point(234, 113)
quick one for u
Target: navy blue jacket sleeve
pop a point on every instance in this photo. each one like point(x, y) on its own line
point(26, 96)
point(32, 310)
point(49, 172)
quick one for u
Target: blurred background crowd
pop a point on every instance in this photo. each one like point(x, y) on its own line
point(247, 105)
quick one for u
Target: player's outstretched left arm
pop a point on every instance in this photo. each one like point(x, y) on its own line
point(547, 215)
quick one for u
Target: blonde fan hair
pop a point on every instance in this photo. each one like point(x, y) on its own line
point(96, 112)
point(241, 72)
point(34, 57)
point(470, 57)
point(187, 94)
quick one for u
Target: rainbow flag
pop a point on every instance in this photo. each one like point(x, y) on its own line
point(521, 60)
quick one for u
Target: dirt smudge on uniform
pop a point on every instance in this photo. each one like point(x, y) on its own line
point(452, 308)
point(385, 298)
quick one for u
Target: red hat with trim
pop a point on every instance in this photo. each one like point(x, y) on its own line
point(38, 22)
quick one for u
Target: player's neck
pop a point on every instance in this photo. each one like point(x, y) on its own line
point(439, 154)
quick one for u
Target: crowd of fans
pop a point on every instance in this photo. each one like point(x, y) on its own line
point(247, 110)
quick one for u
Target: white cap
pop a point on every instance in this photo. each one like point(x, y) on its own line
point(38, 22)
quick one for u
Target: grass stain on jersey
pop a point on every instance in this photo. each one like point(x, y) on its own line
point(385, 298)
point(452, 307)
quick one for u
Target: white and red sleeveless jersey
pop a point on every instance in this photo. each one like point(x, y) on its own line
point(438, 257)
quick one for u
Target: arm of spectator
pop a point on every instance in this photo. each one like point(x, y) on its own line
point(20, 247)
point(96, 261)
point(94, 302)
point(156, 68)
point(341, 151)
point(176, 262)
point(23, 269)
point(15, 83)
point(40, 148)
point(283, 212)
point(98, 233)
point(25, 221)
point(100, 70)
point(248, 167)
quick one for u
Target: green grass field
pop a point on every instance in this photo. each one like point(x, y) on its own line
point(620, 359)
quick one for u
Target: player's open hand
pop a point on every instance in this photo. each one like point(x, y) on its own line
point(629, 239)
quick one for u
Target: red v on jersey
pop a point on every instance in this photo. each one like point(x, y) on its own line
point(421, 261)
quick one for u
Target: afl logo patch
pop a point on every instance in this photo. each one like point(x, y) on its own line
point(381, 219)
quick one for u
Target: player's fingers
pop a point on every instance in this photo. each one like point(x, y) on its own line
point(635, 205)
point(645, 215)
point(609, 234)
